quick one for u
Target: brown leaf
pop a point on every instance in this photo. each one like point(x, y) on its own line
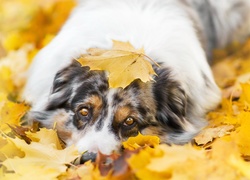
point(208, 134)
point(21, 132)
point(105, 163)
point(121, 169)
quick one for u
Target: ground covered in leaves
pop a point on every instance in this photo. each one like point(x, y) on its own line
point(220, 151)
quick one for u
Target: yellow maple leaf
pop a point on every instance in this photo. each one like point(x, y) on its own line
point(26, 17)
point(45, 137)
point(245, 95)
point(86, 171)
point(240, 165)
point(8, 149)
point(6, 80)
point(160, 163)
point(11, 113)
point(13, 68)
point(227, 154)
point(123, 62)
point(241, 135)
point(39, 158)
point(141, 141)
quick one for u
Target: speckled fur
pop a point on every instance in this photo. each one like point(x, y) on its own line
point(178, 34)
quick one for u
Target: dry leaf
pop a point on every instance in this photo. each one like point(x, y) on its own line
point(21, 132)
point(208, 134)
point(123, 62)
point(140, 140)
point(8, 149)
point(11, 113)
point(86, 171)
point(242, 133)
point(41, 159)
point(45, 137)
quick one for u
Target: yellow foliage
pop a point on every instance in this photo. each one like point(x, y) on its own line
point(11, 113)
point(245, 95)
point(85, 172)
point(241, 135)
point(227, 136)
point(141, 141)
point(123, 62)
point(8, 149)
point(24, 20)
point(208, 134)
point(45, 137)
point(186, 162)
point(45, 159)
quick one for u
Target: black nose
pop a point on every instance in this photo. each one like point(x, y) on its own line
point(88, 156)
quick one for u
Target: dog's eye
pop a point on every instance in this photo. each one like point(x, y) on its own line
point(84, 111)
point(129, 121)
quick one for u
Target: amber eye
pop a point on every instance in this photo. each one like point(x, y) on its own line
point(129, 121)
point(84, 112)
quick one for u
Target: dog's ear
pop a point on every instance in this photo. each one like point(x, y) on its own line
point(63, 85)
point(171, 101)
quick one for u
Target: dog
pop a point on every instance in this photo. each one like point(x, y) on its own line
point(178, 34)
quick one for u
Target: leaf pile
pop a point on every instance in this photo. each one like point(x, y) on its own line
point(220, 151)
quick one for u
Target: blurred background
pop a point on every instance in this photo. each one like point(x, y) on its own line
point(25, 27)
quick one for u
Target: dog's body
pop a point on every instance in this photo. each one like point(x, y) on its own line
point(178, 34)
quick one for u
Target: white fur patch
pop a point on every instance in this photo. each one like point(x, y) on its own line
point(94, 141)
point(103, 140)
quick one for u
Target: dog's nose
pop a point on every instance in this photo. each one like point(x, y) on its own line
point(88, 156)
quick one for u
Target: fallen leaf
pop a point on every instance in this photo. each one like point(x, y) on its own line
point(8, 149)
point(123, 62)
point(21, 132)
point(245, 95)
point(11, 113)
point(160, 163)
point(241, 134)
point(140, 140)
point(45, 137)
point(208, 134)
point(121, 169)
point(105, 163)
point(41, 159)
point(86, 171)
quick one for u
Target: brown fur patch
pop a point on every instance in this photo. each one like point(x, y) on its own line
point(122, 113)
point(63, 131)
point(96, 103)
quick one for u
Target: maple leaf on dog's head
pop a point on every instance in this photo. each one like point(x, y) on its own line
point(123, 62)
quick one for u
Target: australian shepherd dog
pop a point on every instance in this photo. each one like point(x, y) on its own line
point(177, 34)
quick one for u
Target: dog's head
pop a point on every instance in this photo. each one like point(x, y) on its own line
point(94, 117)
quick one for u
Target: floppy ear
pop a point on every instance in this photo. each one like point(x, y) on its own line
point(61, 92)
point(171, 101)
point(63, 85)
